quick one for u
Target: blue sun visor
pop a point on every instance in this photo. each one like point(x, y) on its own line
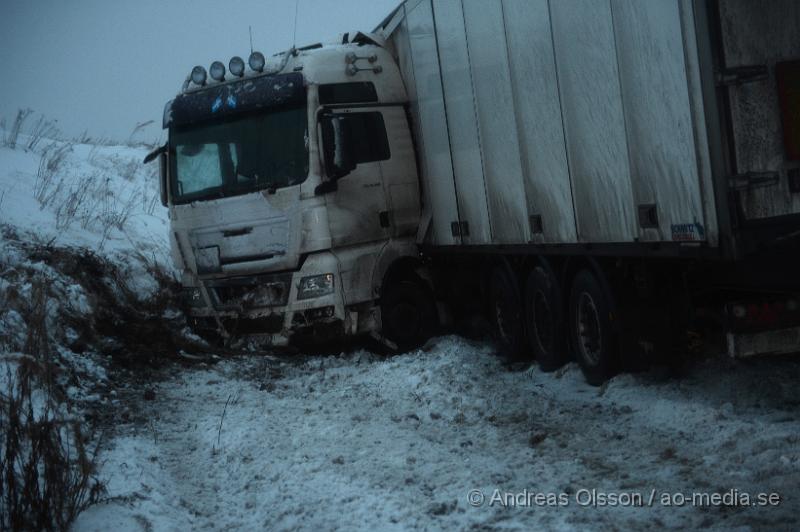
point(242, 96)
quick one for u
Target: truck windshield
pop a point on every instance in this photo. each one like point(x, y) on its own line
point(264, 151)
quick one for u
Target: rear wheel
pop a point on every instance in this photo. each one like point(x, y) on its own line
point(408, 313)
point(505, 312)
point(543, 319)
point(592, 338)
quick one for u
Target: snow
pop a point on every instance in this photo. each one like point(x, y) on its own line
point(398, 442)
point(114, 177)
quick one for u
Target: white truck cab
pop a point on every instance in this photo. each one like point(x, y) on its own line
point(293, 196)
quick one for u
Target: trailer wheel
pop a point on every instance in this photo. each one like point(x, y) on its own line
point(543, 319)
point(408, 314)
point(505, 313)
point(592, 337)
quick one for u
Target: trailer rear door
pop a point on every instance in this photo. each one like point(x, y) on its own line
point(760, 72)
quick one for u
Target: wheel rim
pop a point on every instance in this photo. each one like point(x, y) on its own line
point(542, 321)
point(589, 334)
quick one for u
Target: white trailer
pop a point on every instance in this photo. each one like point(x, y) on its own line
point(611, 146)
point(593, 175)
point(599, 121)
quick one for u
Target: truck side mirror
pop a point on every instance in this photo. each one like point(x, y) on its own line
point(337, 140)
point(163, 165)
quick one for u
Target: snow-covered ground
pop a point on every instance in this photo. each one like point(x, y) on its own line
point(379, 443)
point(361, 440)
point(80, 225)
point(99, 197)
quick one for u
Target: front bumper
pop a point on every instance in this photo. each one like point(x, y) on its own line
point(267, 306)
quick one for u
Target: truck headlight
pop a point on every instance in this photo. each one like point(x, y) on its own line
point(315, 286)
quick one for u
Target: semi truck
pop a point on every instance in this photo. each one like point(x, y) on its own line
point(596, 177)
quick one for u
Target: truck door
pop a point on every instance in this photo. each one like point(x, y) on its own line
point(357, 210)
point(760, 73)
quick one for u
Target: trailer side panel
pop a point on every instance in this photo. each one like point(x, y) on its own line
point(538, 111)
point(658, 120)
point(591, 103)
point(465, 144)
point(500, 152)
point(432, 135)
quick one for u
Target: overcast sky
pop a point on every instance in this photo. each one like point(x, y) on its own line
point(106, 65)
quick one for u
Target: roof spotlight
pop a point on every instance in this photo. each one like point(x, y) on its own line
point(236, 66)
point(256, 61)
point(199, 75)
point(217, 71)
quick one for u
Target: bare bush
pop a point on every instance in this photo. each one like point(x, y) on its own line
point(88, 199)
point(84, 138)
point(42, 129)
point(94, 152)
point(151, 198)
point(46, 472)
point(73, 203)
point(128, 169)
point(12, 134)
point(139, 127)
point(105, 141)
point(114, 214)
point(37, 342)
point(46, 187)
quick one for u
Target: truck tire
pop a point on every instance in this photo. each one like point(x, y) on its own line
point(408, 314)
point(592, 338)
point(544, 319)
point(505, 313)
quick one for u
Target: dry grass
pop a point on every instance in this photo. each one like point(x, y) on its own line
point(11, 135)
point(41, 129)
point(46, 471)
point(87, 199)
point(47, 185)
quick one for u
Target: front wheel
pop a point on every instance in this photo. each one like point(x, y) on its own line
point(408, 314)
point(592, 338)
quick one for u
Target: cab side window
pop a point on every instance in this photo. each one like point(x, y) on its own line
point(368, 134)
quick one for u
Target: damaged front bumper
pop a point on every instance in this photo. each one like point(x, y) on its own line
point(278, 308)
